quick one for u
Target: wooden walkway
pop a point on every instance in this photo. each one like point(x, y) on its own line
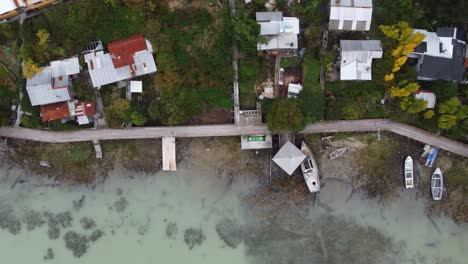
point(233, 130)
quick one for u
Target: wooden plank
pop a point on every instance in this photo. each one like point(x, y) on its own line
point(169, 154)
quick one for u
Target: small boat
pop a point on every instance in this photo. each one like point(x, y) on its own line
point(310, 169)
point(432, 157)
point(337, 153)
point(437, 185)
point(409, 179)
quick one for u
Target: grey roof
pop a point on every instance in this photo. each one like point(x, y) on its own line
point(444, 68)
point(361, 45)
point(269, 16)
point(289, 157)
point(41, 92)
point(66, 67)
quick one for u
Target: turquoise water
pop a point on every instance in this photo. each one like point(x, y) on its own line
point(144, 217)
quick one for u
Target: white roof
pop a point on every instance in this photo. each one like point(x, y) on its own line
point(289, 157)
point(102, 71)
point(41, 92)
point(356, 58)
point(348, 3)
point(280, 34)
point(66, 67)
point(136, 86)
point(433, 42)
point(8, 5)
point(294, 89)
point(427, 96)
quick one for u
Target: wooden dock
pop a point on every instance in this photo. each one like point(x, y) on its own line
point(169, 154)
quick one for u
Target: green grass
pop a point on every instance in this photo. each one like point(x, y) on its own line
point(290, 62)
point(312, 97)
point(457, 175)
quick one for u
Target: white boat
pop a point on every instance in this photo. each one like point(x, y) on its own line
point(337, 153)
point(310, 169)
point(437, 185)
point(409, 175)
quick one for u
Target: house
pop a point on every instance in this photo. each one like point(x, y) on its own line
point(83, 112)
point(280, 32)
point(356, 58)
point(12, 8)
point(126, 59)
point(53, 84)
point(353, 15)
point(441, 55)
point(427, 96)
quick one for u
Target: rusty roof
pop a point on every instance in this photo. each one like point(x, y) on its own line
point(122, 51)
point(55, 111)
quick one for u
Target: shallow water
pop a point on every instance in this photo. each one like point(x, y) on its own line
point(134, 211)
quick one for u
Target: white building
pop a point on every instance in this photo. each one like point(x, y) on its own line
point(441, 55)
point(280, 32)
point(356, 58)
point(427, 96)
point(126, 59)
point(294, 89)
point(53, 83)
point(350, 15)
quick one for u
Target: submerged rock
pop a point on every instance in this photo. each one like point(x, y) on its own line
point(76, 243)
point(230, 231)
point(121, 204)
point(193, 237)
point(49, 254)
point(33, 219)
point(171, 230)
point(96, 235)
point(55, 222)
point(8, 220)
point(87, 223)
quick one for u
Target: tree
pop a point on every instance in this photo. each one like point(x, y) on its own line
point(444, 90)
point(447, 121)
point(246, 32)
point(179, 105)
point(449, 107)
point(154, 110)
point(351, 111)
point(428, 114)
point(30, 68)
point(42, 38)
point(118, 112)
point(285, 115)
point(138, 118)
point(412, 105)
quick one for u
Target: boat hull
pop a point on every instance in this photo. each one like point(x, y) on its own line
point(310, 170)
point(437, 185)
point(409, 173)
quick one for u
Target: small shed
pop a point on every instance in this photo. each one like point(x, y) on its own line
point(289, 157)
point(294, 89)
point(136, 86)
point(427, 96)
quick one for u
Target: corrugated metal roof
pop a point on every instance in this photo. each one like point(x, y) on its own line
point(122, 51)
point(55, 111)
point(282, 34)
point(41, 92)
point(269, 16)
point(67, 67)
point(7, 6)
point(351, 3)
point(102, 69)
point(361, 45)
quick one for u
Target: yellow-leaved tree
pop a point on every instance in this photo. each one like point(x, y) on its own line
point(30, 68)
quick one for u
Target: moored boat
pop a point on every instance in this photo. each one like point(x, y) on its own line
point(337, 153)
point(437, 185)
point(310, 169)
point(409, 173)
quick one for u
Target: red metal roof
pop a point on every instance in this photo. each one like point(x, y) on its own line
point(55, 111)
point(122, 51)
point(85, 109)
